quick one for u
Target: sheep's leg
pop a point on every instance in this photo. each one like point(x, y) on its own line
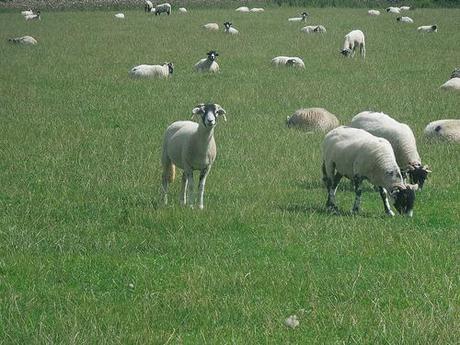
point(203, 175)
point(189, 190)
point(386, 204)
point(183, 191)
point(358, 191)
point(331, 191)
point(165, 183)
point(362, 50)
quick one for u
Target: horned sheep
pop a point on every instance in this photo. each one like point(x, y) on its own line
point(229, 29)
point(405, 20)
point(209, 63)
point(353, 40)
point(190, 146)
point(312, 119)
point(35, 16)
point(158, 71)
point(358, 155)
point(303, 18)
point(448, 130)
point(288, 61)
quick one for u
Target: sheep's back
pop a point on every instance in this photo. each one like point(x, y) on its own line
point(448, 130)
point(312, 119)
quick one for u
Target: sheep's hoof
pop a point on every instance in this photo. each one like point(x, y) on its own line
point(201, 207)
point(333, 209)
point(355, 211)
point(390, 213)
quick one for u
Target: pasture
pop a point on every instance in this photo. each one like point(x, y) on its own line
point(80, 215)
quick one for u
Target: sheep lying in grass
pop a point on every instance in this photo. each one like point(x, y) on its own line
point(451, 85)
point(190, 146)
point(427, 28)
point(257, 10)
point(120, 16)
point(405, 20)
point(313, 119)
point(404, 8)
point(209, 63)
point(211, 27)
point(288, 61)
point(358, 155)
point(313, 29)
point(373, 13)
point(448, 130)
point(402, 140)
point(243, 9)
point(33, 16)
point(182, 10)
point(303, 18)
point(155, 71)
point(163, 8)
point(229, 29)
point(392, 9)
point(23, 40)
point(353, 40)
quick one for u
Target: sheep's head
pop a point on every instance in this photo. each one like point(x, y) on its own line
point(212, 55)
point(403, 198)
point(227, 25)
point(209, 113)
point(398, 19)
point(304, 15)
point(346, 52)
point(434, 27)
point(455, 73)
point(170, 67)
point(418, 174)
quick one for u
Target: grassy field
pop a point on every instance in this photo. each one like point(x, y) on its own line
point(80, 218)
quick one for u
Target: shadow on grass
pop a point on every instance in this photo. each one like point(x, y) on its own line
point(345, 185)
point(316, 209)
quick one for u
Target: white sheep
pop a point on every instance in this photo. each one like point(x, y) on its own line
point(358, 155)
point(405, 20)
point(303, 18)
point(353, 40)
point(23, 40)
point(182, 10)
point(148, 6)
point(211, 27)
point(451, 85)
point(27, 13)
point(209, 63)
point(289, 61)
point(33, 16)
point(373, 13)
point(404, 8)
point(427, 28)
point(190, 146)
point(448, 130)
point(313, 29)
point(393, 9)
point(402, 140)
point(243, 9)
point(229, 29)
point(257, 10)
point(120, 16)
point(163, 8)
point(312, 119)
point(157, 71)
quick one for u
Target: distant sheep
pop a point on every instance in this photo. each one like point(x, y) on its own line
point(373, 13)
point(313, 29)
point(26, 40)
point(393, 10)
point(148, 6)
point(288, 61)
point(163, 8)
point(27, 13)
point(451, 85)
point(33, 16)
point(448, 130)
point(243, 9)
point(182, 10)
point(313, 119)
point(303, 18)
point(405, 20)
point(353, 40)
point(427, 28)
point(404, 8)
point(156, 71)
point(209, 63)
point(229, 29)
point(211, 27)
point(257, 10)
point(120, 16)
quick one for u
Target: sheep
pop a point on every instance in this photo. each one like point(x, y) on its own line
point(404, 8)
point(354, 39)
point(163, 8)
point(23, 40)
point(120, 16)
point(289, 61)
point(310, 29)
point(148, 6)
point(182, 10)
point(211, 27)
point(158, 71)
point(448, 130)
point(209, 63)
point(393, 10)
point(359, 155)
point(455, 73)
point(451, 85)
point(33, 16)
point(243, 9)
point(402, 140)
point(373, 13)
point(229, 29)
point(427, 28)
point(405, 20)
point(312, 119)
point(27, 13)
point(257, 10)
point(190, 146)
point(303, 18)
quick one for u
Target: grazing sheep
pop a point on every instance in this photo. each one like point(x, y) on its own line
point(303, 18)
point(163, 8)
point(313, 119)
point(402, 140)
point(448, 130)
point(405, 20)
point(455, 73)
point(27, 13)
point(229, 29)
point(23, 40)
point(427, 28)
point(404, 8)
point(209, 63)
point(33, 16)
point(313, 29)
point(358, 155)
point(243, 9)
point(148, 6)
point(288, 61)
point(120, 16)
point(211, 27)
point(393, 10)
point(373, 13)
point(190, 146)
point(147, 71)
point(451, 85)
point(257, 10)
point(182, 10)
point(354, 39)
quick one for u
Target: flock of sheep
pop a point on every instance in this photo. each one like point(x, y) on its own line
point(373, 147)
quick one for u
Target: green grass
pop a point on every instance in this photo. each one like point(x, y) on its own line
point(80, 170)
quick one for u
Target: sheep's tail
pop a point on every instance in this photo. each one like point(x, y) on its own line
point(169, 172)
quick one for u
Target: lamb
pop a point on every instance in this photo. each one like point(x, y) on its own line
point(190, 146)
point(243, 9)
point(120, 16)
point(405, 20)
point(354, 39)
point(313, 29)
point(455, 73)
point(303, 18)
point(448, 130)
point(288, 61)
point(373, 13)
point(27, 40)
point(229, 29)
point(358, 155)
point(427, 28)
point(209, 63)
point(404, 8)
point(148, 6)
point(393, 10)
point(157, 71)
point(182, 10)
point(313, 119)
point(33, 16)
point(163, 8)
point(402, 140)
point(211, 26)
point(257, 10)
point(451, 85)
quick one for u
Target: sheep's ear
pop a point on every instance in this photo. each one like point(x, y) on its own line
point(199, 109)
